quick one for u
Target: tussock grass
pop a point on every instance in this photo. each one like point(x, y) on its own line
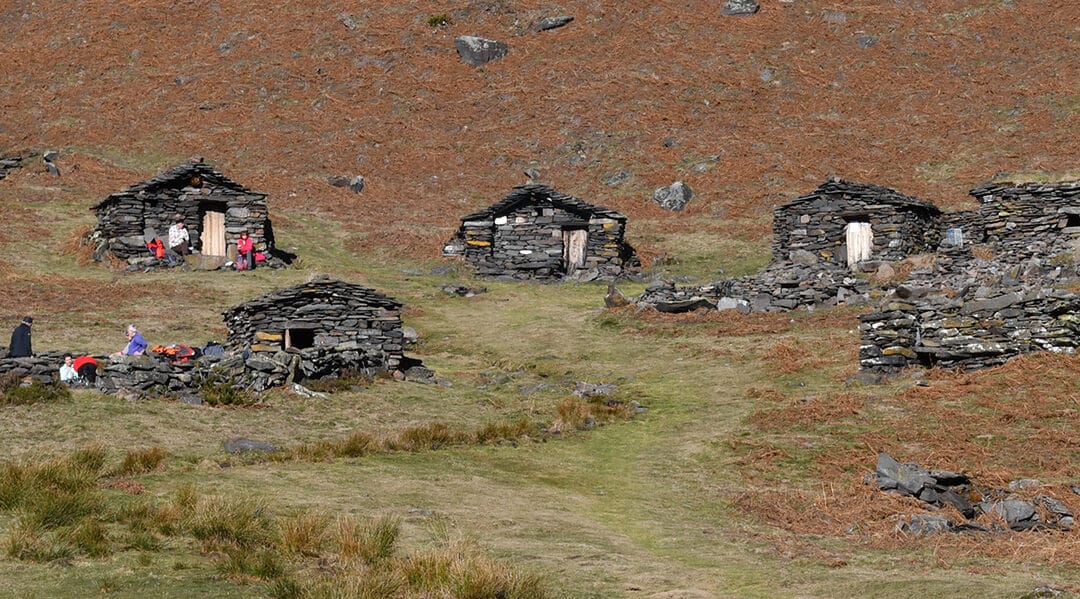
point(307, 533)
point(368, 541)
point(217, 394)
point(460, 571)
point(221, 522)
point(141, 461)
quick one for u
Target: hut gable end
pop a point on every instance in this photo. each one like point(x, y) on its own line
point(536, 232)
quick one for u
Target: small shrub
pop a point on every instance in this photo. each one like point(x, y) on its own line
point(143, 540)
point(141, 461)
point(439, 20)
point(224, 394)
point(304, 533)
point(371, 542)
point(27, 541)
point(348, 379)
point(35, 392)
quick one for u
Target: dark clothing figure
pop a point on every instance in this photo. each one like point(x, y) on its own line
point(87, 367)
point(20, 340)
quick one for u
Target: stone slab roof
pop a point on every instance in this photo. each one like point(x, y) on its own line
point(865, 192)
point(321, 287)
point(990, 191)
point(180, 172)
point(536, 193)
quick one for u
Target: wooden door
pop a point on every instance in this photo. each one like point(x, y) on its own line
point(860, 241)
point(574, 244)
point(213, 232)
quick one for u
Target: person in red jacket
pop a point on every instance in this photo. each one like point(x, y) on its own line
point(245, 250)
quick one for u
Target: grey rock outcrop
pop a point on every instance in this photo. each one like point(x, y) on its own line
point(673, 197)
point(477, 51)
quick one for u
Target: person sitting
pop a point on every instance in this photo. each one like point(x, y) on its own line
point(86, 367)
point(67, 371)
point(179, 238)
point(245, 252)
point(156, 248)
point(136, 344)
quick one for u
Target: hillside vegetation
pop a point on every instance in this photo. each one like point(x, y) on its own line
point(743, 478)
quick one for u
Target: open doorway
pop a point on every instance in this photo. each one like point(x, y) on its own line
point(574, 243)
point(299, 338)
point(212, 236)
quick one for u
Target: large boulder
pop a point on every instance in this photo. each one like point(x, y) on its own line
point(673, 197)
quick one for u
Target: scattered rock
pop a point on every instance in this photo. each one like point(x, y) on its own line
point(925, 524)
point(674, 197)
point(586, 390)
point(615, 298)
point(462, 290)
point(547, 23)
point(740, 8)
point(241, 444)
point(477, 50)
point(356, 184)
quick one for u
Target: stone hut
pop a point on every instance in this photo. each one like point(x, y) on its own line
point(215, 208)
point(842, 223)
point(329, 325)
point(1022, 221)
point(536, 232)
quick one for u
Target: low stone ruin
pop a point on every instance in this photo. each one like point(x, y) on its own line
point(969, 331)
point(319, 329)
point(10, 163)
point(939, 488)
point(990, 288)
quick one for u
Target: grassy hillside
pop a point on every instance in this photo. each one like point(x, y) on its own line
point(744, 476)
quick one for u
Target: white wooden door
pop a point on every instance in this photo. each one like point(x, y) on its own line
point(213, 233)
point(574, 243)
point(860, 241)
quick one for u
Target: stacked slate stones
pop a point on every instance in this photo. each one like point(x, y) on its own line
point(321, 328)
point(187, 189)
point(969, 332)
point(10, 163)
point(939, 488)
point(1030, 220)
point(523, 237)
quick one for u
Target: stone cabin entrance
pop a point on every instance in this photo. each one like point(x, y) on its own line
point(212, 215)
point(575, 242)
point(860, 240)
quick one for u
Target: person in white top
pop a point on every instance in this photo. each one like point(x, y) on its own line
point(67, 371)
point(178, 237)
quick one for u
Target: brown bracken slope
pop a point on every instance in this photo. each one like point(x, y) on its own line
point(928, 96)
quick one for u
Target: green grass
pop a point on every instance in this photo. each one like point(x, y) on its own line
point(633, 507)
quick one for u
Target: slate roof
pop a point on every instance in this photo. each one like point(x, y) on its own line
point(181, 172)
point(537, 193)
point(863, 192)
point(989, 192)
point(320, 289)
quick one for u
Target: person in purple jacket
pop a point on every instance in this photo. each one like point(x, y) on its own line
point(136, 344)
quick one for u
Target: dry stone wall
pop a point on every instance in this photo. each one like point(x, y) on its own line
point(970, 333)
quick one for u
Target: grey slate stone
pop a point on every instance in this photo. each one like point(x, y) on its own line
point(673, 197)
point(740, 8)
point(241, 444)
point(477, 50)
point(547, 23)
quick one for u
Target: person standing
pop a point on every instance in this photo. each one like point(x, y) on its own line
point(136, 344)
point(179, 238)
point(20, 346)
